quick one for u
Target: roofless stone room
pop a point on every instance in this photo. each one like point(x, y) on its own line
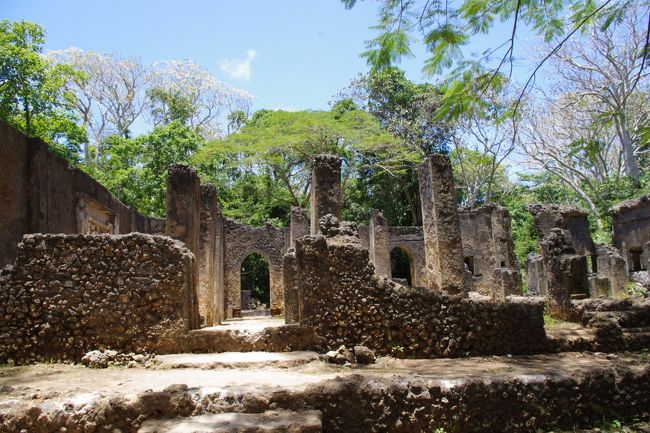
point(336, 216)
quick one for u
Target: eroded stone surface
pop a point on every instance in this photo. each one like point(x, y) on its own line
point(70, 294)
point(443, 247)
point(476, 394)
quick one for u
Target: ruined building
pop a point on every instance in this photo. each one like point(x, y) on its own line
point(596, 270)
point(84, 272)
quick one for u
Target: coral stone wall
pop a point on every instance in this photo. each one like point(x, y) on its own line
point(68, 294)
point(411, 241)
point(41, 193)
point(242, 240)
point(631, 231)
point(345, 303)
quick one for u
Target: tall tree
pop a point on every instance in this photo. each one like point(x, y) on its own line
point(32, 97)
point(605, 68)
point(109, 94)
point(282, 144)
point(211, 100)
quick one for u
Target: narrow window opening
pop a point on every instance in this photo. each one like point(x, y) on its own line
point(635, 256)
point(400, 265)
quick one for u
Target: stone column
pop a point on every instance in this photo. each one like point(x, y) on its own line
point(505, 282)
point(291, 290)
point(325, 189)
point(378, 245)
point(442, 242)
point(182, 223)
point(566, 272)
point(219, 268)
point(206, 257)
point(299, 225)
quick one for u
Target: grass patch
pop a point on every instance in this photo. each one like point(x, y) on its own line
point(553, 323)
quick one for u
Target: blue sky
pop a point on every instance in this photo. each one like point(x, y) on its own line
point(298, 53)
point(292, 54)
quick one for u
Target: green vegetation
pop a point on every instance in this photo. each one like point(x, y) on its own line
point(255, 277)
point(553, 323)
point(573, 143)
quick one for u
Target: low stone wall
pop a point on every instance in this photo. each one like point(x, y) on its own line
point(345, 303)
point(68, 294)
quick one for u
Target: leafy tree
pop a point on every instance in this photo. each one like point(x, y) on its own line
point(211, 100)
point(445, 28)
point(280, 146)
point(109, 94)
point(407, 111)
point(135, 169)
point(32, 98)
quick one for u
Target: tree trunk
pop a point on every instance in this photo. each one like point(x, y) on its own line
point(629, 159)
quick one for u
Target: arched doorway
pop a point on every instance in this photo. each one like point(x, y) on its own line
point(400, 265)
point(255, 283)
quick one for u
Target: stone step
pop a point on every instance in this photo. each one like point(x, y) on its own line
point(212, 361)
point(267, 422)
point(248, 335)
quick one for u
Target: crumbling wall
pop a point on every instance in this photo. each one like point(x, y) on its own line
point(487, 245)
point(242, 240)
point(298, 225)
point(41, 193)
point(411, 241)
point(442, 241)
point(207, 295)
point(565, 217)
point(68, 294)
point(535, 277)
point(631, 231)
point(612, 277)
point(183, 212)
point(565, 270)
point(378, 240)
point(345, 303)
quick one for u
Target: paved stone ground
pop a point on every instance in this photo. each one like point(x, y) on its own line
point(247, 382)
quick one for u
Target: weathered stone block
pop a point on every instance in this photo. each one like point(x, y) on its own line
point(442, 241)
point(506, 282)
point(325, 189)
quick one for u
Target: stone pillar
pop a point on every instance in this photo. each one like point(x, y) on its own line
point(219, 268)
point(299, 225)
point(325, 189)
point(291, 290)
point(442, 241)
point(206, 257)
point(535, 279)
point(378, 246)
point(566, 272)
point(505, 282)
point(182, 223)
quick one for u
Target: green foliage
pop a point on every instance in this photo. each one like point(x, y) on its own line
point(135, 170)
point(267, 162)
point(170, 105)
point(445, 28)
point(32, 98)
point(255, 277)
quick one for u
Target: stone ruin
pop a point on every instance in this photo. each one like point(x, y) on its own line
point(598, 270)
point(85, 274)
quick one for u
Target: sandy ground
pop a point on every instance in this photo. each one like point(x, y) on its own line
point(74, 383)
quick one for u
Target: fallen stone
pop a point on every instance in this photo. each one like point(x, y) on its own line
point(364, 355)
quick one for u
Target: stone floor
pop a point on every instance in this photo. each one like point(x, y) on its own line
point(251, 382)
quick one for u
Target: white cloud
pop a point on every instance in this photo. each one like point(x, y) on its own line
point(239, 69)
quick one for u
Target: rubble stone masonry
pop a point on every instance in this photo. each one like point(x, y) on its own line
point(68, 294)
